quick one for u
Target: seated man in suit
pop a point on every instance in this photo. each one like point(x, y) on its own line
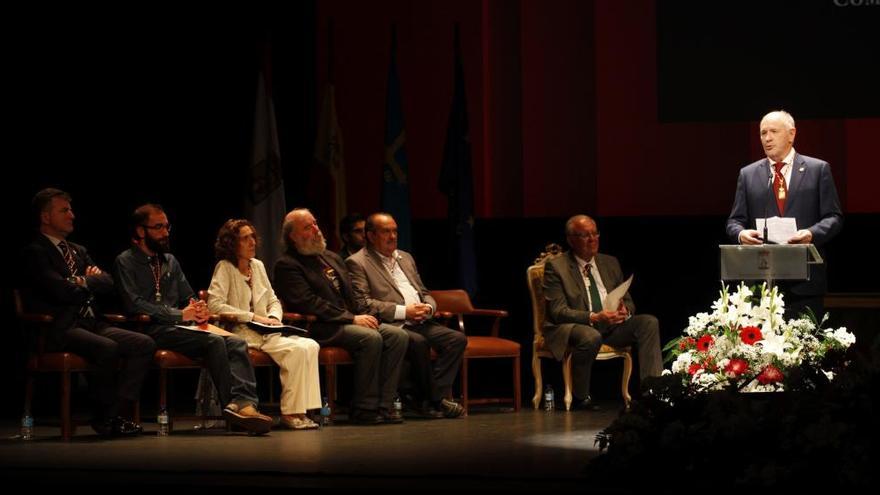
point(62, 280)
point(151, 282)
point(313, 280)
point(575, 286)
point(387, 281)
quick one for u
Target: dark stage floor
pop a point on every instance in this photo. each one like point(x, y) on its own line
point(495, 451)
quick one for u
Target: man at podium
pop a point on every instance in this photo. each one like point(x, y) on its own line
point(788, 184)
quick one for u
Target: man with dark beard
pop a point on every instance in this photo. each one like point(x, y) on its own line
point(310, 279)
point(151, 282)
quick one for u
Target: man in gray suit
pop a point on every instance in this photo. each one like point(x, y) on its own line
point(788, 184)
point(575, 286)
point(387, 281)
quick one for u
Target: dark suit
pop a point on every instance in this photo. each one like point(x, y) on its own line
point(302, 284)
point(75, 329)
point(811, 200)
point(568, 321)
point(375, 287)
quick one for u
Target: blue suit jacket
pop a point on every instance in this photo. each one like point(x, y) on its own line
point(812, 202)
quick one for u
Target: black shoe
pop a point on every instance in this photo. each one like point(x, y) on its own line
point(365, 417)
point(117, 427)
point(390, 416)
point(584, 405)
point(426, 409)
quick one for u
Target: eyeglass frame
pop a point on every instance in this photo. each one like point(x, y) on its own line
point(587, 235)
point(158, 226)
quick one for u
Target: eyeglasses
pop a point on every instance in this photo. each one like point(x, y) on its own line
point(586, 235)
point(158, 226)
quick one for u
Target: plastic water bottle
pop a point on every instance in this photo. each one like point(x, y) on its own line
point(162, 420)
point(325, 413)
point(397, 405)
point(549, 399)
point(27, 427)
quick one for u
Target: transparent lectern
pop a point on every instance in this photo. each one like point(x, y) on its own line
point(768, 262)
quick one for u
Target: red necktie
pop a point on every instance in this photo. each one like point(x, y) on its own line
point(779, 187)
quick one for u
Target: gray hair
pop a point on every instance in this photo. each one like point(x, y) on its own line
point(569, 225)
point(781, 115)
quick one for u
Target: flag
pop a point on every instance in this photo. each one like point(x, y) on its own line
point(456, 182)
point(264, 204)
point(328, 155)
point(395, 171)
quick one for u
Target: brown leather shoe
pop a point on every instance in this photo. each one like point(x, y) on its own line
point(248, 418)
point(295, 423)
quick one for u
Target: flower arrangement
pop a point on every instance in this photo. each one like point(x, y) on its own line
point(746, 345)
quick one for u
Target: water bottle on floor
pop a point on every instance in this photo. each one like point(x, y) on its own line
point(397, 405)
point(549, 399)
point(325, 413)
point(162, 420)
point(27, 426)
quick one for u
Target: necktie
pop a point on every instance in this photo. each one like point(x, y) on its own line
point(69, 260)
point(595, 298)
point(779, 187)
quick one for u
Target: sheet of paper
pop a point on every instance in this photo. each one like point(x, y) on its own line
point(206, 328)
point(779, 229)
point(612, 300)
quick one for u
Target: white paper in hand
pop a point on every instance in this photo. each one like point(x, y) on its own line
point(612, 300)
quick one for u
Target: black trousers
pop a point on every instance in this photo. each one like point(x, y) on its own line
point(104, 346)
point(434, 380)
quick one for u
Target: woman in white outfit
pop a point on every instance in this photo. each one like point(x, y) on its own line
point(241, 288)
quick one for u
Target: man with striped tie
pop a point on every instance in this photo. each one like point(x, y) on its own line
point(60, 279)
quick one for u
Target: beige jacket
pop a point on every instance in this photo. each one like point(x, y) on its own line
point(229, 293)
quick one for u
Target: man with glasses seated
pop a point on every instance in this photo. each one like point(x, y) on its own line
point(151, 282)
point(575, 286)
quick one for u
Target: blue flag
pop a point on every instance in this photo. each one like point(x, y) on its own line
point(457, 183)
point(395, 171)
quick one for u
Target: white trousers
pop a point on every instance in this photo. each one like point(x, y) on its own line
point(298, 359)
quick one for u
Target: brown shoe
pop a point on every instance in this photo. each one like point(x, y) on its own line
point(248, 418)
point(295, 423)
point(451, 409)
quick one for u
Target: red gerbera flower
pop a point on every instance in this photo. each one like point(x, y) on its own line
point(705, 343)
point(694, 368)
point(770, 374)
point(750, 335)
point(737, 366)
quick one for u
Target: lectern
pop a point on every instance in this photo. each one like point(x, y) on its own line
point(768, 262)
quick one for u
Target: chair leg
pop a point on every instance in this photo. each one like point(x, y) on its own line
point(539, 385)
point(330, 385)
point(464, 385)
point(566, 379)
point(517, 390)
point(66, 427)
point(29, 392)
point(624, 382)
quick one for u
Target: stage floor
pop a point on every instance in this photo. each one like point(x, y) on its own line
point(495, 451)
